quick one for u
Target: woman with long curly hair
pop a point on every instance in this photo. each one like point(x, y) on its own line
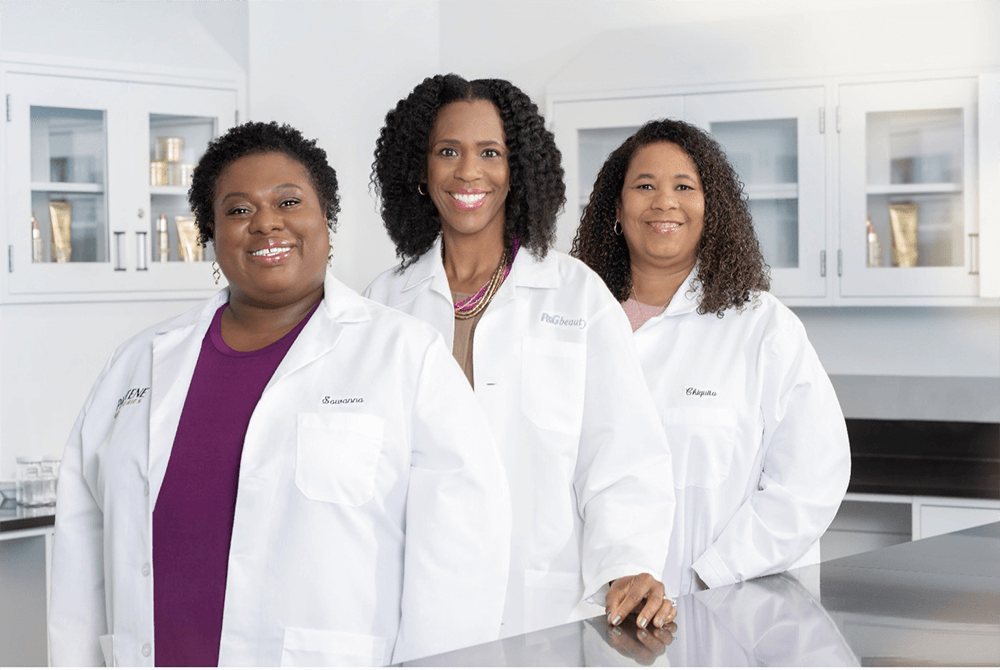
point(759, 446)
point(470, 184)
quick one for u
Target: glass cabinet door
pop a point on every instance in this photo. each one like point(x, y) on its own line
point(173, 126)
point(908, 181)
point(587, 131)
point(58, 189)
point(774, 141)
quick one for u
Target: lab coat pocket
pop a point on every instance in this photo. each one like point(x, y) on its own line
point(310, 647)
point(337, 456)
point(701, 444)
point(553, 375)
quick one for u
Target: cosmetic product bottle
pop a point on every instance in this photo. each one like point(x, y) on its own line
point(163, 239)
point(37, 245)
point(903, 219)
point(874, 247)
point(61, 218)
point(188, 248)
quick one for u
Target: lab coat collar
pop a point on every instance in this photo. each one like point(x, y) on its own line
point(527, 271)
point(429, 267)
point(685, 300)
point(340, 303)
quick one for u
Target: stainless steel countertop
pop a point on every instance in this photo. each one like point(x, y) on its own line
point(929, 602)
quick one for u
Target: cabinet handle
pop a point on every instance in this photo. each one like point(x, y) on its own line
point(119, 251)
point(140, 251)
point(973, 253)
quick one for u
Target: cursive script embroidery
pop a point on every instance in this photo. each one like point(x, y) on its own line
point(699, 392)
point(327, 400)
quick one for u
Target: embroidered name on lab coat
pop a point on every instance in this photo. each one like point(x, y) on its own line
point(556, 320)
point(327, 400)
point(699, 392)
point(133, 397)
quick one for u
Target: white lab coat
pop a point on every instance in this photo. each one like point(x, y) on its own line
point(759, 445)
point(587, 460)
point(371, 524)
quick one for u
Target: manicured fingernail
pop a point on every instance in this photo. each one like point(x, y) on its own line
point(617, 620)
point(641, 622)
point(616, 631)
point(658, 622)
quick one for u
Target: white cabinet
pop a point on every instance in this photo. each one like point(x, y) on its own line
point(96, 172)
point(817, 160)
point(937, 516)
point(868, 521)
point(908, 164)
point(774, 139)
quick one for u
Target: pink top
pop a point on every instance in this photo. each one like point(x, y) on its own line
point(639, 313)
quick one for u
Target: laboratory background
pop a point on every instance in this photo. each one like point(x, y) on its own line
point(856, 126)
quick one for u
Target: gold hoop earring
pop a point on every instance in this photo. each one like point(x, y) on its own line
point(617, 227)
point(216, 273)
point(420, 191)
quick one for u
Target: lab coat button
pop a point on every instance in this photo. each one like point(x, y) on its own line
point(145, 572)
point(146, 650)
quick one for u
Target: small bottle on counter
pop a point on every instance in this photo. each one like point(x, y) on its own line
point(37, 245)
point(874, 247)
point(163, 239)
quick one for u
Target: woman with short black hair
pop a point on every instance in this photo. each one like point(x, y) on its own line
point(285, 485)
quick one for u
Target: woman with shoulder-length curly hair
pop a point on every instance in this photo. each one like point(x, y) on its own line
point(470, 183)
point(759, 446)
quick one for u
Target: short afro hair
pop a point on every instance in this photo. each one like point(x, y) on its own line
point(731, 267)
point(537, 192)
point(255, 137)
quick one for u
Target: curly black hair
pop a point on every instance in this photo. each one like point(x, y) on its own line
point(537, 192)
point(255, 137)
point(731, 271)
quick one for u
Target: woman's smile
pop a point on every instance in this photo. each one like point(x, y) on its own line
point(275, 252)
point(468, 200)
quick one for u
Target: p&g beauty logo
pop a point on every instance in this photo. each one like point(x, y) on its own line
point(556, 320)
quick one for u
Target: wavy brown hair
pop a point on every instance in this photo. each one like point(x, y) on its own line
point(731, 267)
point(537, 192)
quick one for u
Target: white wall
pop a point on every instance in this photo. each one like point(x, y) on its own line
point(333, 70)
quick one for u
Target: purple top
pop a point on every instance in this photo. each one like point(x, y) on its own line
point(193, 517)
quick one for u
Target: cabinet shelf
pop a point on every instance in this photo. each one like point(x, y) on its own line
point(168, 190)
point(66, 187)
point(915, 189)
point(771, 191)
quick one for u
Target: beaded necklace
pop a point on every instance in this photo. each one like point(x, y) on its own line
point(476, 304)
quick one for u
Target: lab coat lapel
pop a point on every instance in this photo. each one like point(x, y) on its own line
point(341, 306)
point(429, 268)
point(175, 354)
